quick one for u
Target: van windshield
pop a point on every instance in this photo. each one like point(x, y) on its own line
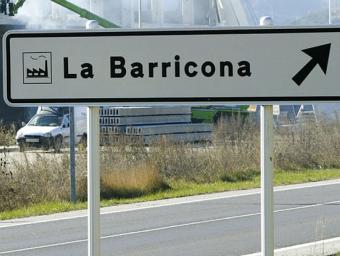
point(45, 120)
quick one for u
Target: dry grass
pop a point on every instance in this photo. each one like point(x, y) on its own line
point(131, 170)
point(235, 148)
point(126, 170)
point(309, 145)
point(182, 162)
point(7, 134)
point(131, 181)
point(27, 182)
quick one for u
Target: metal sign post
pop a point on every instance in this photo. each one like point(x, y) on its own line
point(93, 175)
point(267, 215)
point(73, 190)
point(267, 193)
point(93, 180)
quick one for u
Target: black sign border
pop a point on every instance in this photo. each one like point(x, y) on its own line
point(110, 33)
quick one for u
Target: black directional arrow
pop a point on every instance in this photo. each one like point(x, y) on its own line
point(320, 56)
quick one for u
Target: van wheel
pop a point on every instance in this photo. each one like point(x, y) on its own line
point(58, 142)
point(46, 146)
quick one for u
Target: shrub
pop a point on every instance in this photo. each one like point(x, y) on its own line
point(308, 145)
point(131, 181)
point(25, 182)
point(7, 134)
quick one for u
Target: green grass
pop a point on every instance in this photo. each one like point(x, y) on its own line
point(42, 209)
point(179, 189)
point(207, 115)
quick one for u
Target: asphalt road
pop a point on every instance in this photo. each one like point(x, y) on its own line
point(219, 224)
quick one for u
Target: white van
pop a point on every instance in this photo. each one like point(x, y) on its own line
point(50, 128)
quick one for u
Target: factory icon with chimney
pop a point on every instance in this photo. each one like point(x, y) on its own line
point(37, 68)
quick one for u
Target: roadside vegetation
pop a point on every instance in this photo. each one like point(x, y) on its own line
point(7, 135)
point(131, 172)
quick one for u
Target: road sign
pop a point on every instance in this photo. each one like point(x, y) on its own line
point(267, 65)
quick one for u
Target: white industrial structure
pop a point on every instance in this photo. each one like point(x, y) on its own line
point(151, 124)
point(151, 13)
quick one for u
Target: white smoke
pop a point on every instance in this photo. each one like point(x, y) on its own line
point(37, 14)
point(43, 14)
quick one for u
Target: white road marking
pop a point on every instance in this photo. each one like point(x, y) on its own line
point(167, 228)
point(43, 246)
point(179, 201)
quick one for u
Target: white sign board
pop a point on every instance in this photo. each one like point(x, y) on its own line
point(267, 65)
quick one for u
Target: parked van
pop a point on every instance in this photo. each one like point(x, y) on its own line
point(50, 128)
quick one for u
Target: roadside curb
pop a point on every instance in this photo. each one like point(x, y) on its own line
point(317, 248)
point(9, 149)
